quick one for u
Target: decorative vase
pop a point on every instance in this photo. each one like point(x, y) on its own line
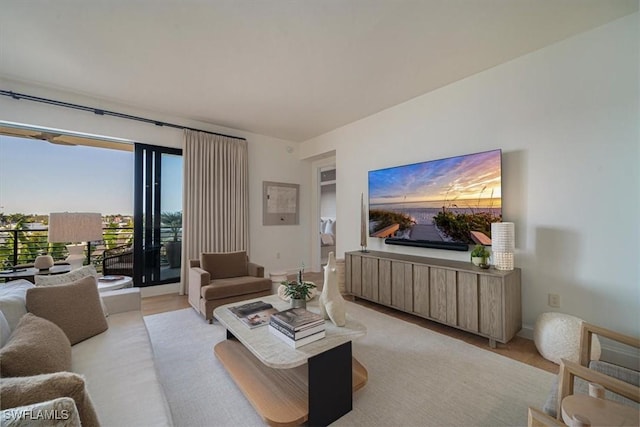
point(174, 253)
point(43, 262)
point(363, 225)
point(479, 261)
point(298, 303)
point(332, 305)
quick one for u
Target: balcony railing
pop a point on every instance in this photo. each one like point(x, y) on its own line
point(18, 247)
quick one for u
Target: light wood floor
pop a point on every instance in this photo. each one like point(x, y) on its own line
point(518, 348)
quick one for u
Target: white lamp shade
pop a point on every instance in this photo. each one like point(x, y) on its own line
point(503, 237)
point(503, 244)
point(73, 227)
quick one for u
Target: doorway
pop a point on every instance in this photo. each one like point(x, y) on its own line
point(157, 214)
point(323, 207)
point(327, 213)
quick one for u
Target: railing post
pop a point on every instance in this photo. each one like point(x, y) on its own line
point(15, 247)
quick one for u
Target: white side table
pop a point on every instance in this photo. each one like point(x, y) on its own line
point(111, 283)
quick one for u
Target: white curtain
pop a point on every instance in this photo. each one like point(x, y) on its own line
point(215, 211)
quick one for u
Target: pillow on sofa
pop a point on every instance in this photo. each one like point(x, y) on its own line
point(75, 308)
point(37, 346)
point(222, 265)
point(20, 391)
point(12, 300)
point(63, 413)
point(72, 276)
point(63, 279)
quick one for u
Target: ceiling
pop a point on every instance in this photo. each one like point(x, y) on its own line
point(291, 69)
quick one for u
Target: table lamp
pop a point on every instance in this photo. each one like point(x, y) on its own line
point(72, 228)
point(503, 244)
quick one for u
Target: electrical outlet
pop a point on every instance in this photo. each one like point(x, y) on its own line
point(554, 300)
point(277, 255)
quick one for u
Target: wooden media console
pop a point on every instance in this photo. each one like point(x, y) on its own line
point(455, 293)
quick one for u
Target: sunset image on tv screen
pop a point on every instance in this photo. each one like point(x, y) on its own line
point(447, 200)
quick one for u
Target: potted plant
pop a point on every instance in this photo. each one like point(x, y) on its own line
point(298, 290)
point(480, 256)
point(173, 221)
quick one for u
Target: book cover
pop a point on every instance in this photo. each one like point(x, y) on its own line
point(250, 307)
point(301, 328)
point(253, 314)
point(297, 318)
point(300, 342)
point(299, 334)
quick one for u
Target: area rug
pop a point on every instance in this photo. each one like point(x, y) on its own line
point(417, 377)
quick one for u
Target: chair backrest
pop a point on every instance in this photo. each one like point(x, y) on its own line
point(587, 331)
point(222, 265)
point(118, 260)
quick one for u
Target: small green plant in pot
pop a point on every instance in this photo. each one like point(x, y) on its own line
point(480, 256)
point(298, 290)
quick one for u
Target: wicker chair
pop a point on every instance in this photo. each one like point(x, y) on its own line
point(118, 261)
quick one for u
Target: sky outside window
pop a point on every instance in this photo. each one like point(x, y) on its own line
point(37, 177)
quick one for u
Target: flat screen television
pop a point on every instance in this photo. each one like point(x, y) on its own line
point(447, 203)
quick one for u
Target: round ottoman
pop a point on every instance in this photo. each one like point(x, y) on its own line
point(557, 336)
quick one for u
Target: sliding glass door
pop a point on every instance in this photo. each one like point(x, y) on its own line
point(157, 214)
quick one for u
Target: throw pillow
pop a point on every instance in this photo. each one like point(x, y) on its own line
point(60, 412)
point(20, 391)
point(70, 277)
point(222, 265)
point(37, 346)
point(12, 300)
point(75, 308)
point(63, 279)
point(328, 226)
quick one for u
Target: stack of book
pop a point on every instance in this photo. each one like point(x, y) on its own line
point(253, 314)
point(297, 326)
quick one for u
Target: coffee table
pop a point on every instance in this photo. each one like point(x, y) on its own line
point(313, 383)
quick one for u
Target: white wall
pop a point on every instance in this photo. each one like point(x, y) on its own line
point(328, 200)
point(269, 160)
point(567, 120)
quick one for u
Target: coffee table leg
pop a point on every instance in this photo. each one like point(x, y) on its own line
point(330, 385)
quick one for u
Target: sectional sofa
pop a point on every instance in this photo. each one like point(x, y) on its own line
point(112, 376)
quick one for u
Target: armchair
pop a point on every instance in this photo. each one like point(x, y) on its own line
point(621, 384)
point(118, 260)
point(220, 278)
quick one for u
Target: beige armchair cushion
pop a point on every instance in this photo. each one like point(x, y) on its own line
point(222, 265)
point(233, 286)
